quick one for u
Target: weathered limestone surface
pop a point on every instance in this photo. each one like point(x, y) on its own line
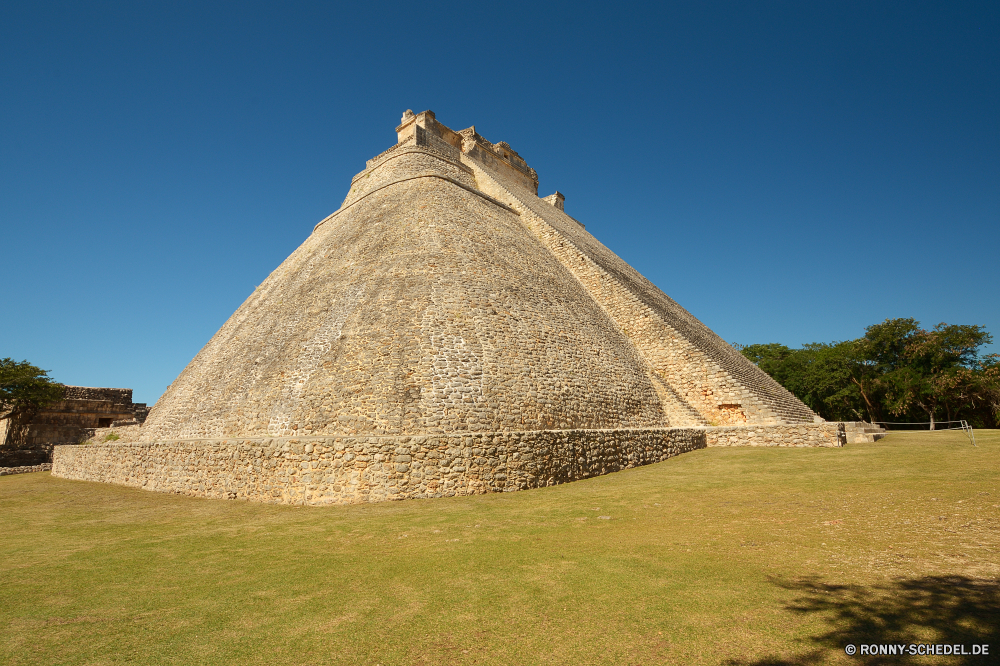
point(25, 469)
point(806, 434)
point(323, 470)
point(445, 301)
point(126, 433)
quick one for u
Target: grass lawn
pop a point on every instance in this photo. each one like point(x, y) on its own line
point(742, 556)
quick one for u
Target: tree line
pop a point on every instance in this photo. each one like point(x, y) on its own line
point(897, 371)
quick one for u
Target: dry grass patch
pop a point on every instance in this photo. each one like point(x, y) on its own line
point(763, 556)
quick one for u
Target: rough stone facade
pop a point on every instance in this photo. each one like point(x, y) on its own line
point(70, 421)
point(444, 298)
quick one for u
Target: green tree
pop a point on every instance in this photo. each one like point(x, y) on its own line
point(940, 371)
point(878, 354)
point(770, 358)
point(818, 374)
point(896, 368)
point(830, 379)
point(988, 395)
point(24, 389)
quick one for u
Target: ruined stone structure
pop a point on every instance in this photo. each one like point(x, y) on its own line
point(446, 313)
point(70, 421)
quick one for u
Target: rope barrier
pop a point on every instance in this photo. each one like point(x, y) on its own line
point(963, 426)
point(915, 422)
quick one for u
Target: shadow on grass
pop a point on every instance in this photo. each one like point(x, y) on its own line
point(934, 609)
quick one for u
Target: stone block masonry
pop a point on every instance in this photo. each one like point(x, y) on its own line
point(349, 470)
point(799, 435)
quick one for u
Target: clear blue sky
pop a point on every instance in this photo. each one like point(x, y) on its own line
point(788, 172)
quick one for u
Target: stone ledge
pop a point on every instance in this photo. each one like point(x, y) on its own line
point(349, 470)
point(25, 469)
point(416, 177)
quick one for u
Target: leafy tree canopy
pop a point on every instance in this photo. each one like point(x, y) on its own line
point(897, 369)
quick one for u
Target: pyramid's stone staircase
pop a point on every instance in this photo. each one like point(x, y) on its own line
point(861, 432)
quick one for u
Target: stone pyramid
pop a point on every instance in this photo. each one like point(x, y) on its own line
point(445, 299)
point(445, 296)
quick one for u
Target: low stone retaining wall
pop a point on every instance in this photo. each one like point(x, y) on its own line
point(806, 434)
point(24, 469)
point(347, 470)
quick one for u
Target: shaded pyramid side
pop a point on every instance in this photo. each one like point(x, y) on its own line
point(422, 306)
point(700, 379)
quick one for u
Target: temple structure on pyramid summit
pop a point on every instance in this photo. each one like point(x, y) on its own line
point(445, 331)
